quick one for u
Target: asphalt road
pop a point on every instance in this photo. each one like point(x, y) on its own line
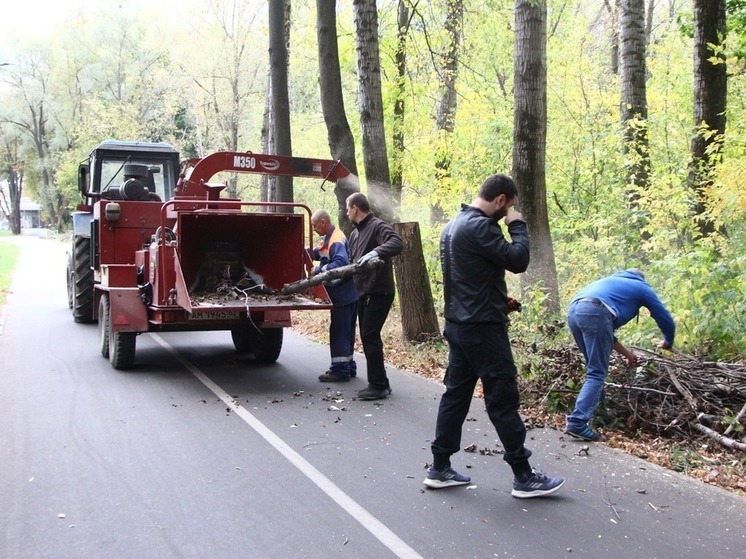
point(196, 453)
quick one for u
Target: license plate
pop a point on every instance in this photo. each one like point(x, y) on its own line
point(215, 315)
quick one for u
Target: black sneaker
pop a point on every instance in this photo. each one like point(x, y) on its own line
point(447, 478)
point(538, 485)
point(373, 393)
point(584, 433)
point(331, 376)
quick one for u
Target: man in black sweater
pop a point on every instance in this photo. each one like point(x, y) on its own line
point(372, 238)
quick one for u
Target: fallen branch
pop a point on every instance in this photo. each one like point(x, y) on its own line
point(722, 439)
point(736, 420)
point(683, 391)
point(343, 272)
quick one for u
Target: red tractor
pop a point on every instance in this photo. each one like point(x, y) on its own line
point(156, 249)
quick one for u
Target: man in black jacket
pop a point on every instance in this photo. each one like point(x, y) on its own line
point(474, 255)
point(372, 238)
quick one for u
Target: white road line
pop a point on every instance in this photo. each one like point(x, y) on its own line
point(366, 519)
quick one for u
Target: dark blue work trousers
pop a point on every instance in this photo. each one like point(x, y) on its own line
point(342, 339)
point(481, 351)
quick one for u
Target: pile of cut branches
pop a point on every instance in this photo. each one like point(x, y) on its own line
point(680, 394)
point(670, 395)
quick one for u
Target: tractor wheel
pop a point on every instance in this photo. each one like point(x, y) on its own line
point(103, 324)
point(70, 281)
point(266, 344)
point(122, 349)
point(80, 289)
point(242, 338)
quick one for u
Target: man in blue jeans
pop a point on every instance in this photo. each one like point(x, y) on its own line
point(594, 313)
point(474, 255)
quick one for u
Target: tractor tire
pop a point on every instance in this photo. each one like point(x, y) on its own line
point(241, 336)
point(266, 344)
point(70, 280)
point(103, 324)
point(81, 280)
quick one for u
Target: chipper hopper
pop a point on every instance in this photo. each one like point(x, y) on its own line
point(158, 254)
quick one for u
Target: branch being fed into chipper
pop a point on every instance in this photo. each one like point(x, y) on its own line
point(343, 272)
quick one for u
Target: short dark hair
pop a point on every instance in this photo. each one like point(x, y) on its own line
point(358, 199)
point(494, 185)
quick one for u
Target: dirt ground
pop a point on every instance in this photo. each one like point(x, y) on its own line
point(702, 459)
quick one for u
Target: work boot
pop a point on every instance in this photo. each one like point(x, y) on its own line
point(373, 393)
point(331, 376)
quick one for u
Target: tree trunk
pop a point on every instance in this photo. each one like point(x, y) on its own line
point(446, 117)
point(341, 140)
point(419, 322)
point(634, 105)
point(397, 171)
point(710, 101)
point(268, 183)
point(370, 102)
point(12, 204)
point(614, 36)
point(278, 63)
point(529, 145)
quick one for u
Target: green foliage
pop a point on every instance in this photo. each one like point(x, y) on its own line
point(194, 85)
point(8, 258)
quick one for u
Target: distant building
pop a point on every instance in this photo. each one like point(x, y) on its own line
point(30, 216)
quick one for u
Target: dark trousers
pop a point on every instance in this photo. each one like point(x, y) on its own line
point(372, 311)
point(480, 351)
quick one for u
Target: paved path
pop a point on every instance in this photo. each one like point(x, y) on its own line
point(199, 453)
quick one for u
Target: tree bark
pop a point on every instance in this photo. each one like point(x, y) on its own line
point(710, 102)
point(278, 62)
point(419, 321)
point(529, 145)
point(370, 105)
point(446, 117)
point(341, 140)
point(11, 205)
point(397, 171)
point(634, 105)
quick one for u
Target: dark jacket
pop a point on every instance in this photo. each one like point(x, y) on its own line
point(474, 255)
point(373, 233)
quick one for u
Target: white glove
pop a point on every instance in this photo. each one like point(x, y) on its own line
point(369, 256)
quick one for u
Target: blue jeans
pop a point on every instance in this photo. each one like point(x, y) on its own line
point(591, 324)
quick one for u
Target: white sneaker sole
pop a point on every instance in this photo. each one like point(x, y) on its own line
point(535, 493)
point(439, 484)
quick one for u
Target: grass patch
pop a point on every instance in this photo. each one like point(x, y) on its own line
point(8, 258)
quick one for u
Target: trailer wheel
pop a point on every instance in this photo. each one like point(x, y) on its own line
point(266, 344)
point(81, 280)
point(122, 349)
point(241, 336)
point(103, 325)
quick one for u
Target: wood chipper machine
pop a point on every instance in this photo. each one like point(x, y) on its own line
point(156, 249)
